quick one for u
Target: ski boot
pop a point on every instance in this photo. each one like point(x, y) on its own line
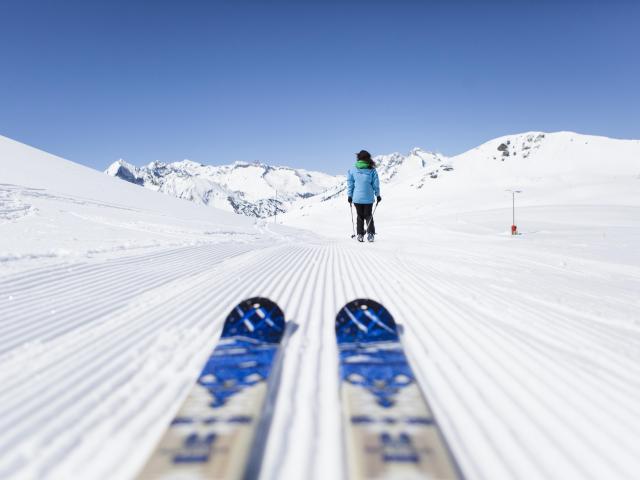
point(370, 237)
point(360, 238)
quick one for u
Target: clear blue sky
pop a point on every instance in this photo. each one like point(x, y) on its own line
point(306, 83)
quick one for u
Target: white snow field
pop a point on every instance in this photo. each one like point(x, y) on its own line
point(527, 347)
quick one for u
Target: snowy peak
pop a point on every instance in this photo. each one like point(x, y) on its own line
point(554, 154)
point(125, 171)
point(521, 145)
point(411, 168)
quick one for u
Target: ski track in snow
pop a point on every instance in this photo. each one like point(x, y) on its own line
point(12, 207)
point(96, 356)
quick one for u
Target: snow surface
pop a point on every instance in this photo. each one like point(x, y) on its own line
point(528, 347)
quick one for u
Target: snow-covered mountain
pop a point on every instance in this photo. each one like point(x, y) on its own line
point(528, 159)
point(414, 167)
point(252, 189)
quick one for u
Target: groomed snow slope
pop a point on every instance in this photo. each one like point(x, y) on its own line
point(528, 348)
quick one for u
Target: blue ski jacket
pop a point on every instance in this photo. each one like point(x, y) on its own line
point(363, 184)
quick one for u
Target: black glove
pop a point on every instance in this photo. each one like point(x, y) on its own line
point(350, 200)
point(379, 198)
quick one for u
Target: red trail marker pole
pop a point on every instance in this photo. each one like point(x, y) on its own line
point(514, 228)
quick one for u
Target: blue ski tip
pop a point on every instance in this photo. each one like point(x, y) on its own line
point(255, 318)
point(365, 321)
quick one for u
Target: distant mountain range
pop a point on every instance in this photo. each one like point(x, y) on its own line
point(259, 190)
point(252, 189)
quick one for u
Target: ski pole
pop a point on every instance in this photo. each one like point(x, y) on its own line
point(371, 217)
point(353, 229)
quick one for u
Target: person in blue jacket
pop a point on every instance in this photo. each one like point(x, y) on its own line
point(363, 188)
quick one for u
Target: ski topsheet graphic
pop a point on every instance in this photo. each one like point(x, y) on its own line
point(390, 429)
point(213, 434)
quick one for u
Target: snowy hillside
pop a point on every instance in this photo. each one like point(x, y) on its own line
point(52, 208)
point(531, 157)
point(527, 347)
point(251, 189)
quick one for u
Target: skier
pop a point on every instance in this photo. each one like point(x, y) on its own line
point(363, 188)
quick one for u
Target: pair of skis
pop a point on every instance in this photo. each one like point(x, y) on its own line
point(221, 427)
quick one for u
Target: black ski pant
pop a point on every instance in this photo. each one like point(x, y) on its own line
point(364, 213)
